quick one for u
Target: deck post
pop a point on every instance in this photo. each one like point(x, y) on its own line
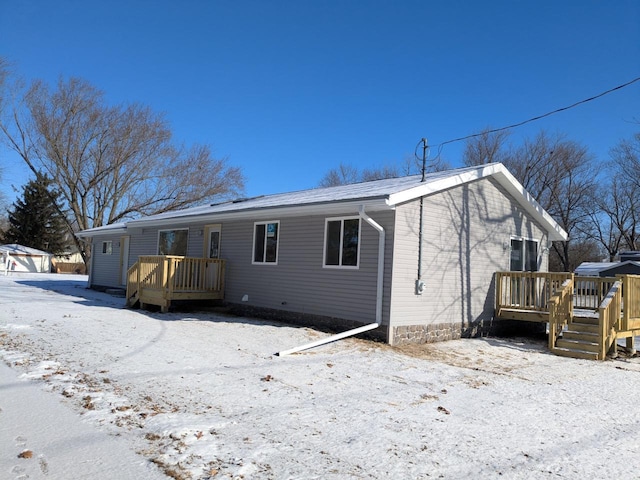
point(631, 345)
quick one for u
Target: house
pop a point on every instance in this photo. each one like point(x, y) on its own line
point(415, 257)
point(19, 258)
point(608, 269)
point(69, 262)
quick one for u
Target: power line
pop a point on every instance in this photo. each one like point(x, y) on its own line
point(533, 119)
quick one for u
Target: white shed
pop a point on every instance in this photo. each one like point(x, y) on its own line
point(18, 258)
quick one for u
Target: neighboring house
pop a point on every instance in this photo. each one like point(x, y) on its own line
point(416, 257)
point(608, 269)
point(69, 262)
point(18, 258)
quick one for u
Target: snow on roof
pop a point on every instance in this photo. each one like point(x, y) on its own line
point(373, 195)
point(15, 249)
point(593, 269)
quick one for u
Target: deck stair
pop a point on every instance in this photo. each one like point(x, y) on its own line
point(586, 316)
point(580, 339)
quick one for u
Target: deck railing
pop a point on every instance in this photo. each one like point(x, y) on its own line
point(527, 290)
point(158, 279)
point(560, 310)
point(557, 297)
point(631, 302)
point(609, 319)
point(589, 292)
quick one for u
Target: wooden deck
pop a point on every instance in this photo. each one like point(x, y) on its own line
point(159, 280)
point(586, 315)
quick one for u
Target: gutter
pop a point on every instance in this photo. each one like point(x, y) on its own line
point(379, 293)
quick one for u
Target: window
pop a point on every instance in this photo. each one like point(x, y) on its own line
point(173, 242)
point(107, 247)
point(524, 255)
point(265, 242)
point(341, 242)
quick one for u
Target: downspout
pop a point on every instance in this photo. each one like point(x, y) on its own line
point(379, 293)
point(419, 282)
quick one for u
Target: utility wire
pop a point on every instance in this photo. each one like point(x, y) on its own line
point(533, 119)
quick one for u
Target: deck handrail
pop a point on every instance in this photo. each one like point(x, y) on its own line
point(609, 318)
point(560, 310)
point(589, 292)
point(631, 302)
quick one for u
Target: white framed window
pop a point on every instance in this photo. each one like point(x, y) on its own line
point(266, 237)
point(173, 242)
point(107, 247)
point(342, 242)
point(524, 255)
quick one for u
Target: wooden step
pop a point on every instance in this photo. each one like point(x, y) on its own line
point(583, 328)
point(565, 352)
point(585, 320)
point(580, 345)
point(581, 336)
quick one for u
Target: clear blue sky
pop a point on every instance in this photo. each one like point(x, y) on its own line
point(289, 89)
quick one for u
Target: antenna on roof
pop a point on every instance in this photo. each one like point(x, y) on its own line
point(425, 147)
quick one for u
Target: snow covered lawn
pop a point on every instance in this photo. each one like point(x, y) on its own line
point(201, 395)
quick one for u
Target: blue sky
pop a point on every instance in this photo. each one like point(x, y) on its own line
point(289, 89)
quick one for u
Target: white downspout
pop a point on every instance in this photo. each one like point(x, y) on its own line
point(381, 246)
point(379, 293)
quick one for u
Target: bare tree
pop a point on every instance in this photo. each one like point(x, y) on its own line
point(111, 163)
point(619, 203)
point(626, 156)
point(607, 217)
point(487, 147)
point(557, 172)
point(344, 174)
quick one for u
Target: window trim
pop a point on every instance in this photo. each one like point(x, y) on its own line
point(524, 241)
point(172, 230)
point(253, 243)
point(340, 253)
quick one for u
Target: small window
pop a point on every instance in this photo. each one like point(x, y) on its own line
point(342, 240)
point(173, 242)
point(107, 247)
point(265, 242)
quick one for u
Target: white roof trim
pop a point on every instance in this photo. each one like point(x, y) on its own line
point(374, 196)
point(504, 178)
point(104, 230)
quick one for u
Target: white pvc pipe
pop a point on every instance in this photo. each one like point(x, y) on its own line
point(330, 339)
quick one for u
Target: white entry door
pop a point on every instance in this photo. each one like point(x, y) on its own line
point(213, 241)
point(213, 235)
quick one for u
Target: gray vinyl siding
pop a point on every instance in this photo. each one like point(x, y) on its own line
point(142, 242)
point(298, 282)
point(105, 268)
point(466, 230)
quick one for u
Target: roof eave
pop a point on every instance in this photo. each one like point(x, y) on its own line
point(504, 178)
point(321, 208)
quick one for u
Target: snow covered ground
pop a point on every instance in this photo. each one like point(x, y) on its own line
point(201, 395)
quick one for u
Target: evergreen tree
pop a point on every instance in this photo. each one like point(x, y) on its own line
point(36, 221)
